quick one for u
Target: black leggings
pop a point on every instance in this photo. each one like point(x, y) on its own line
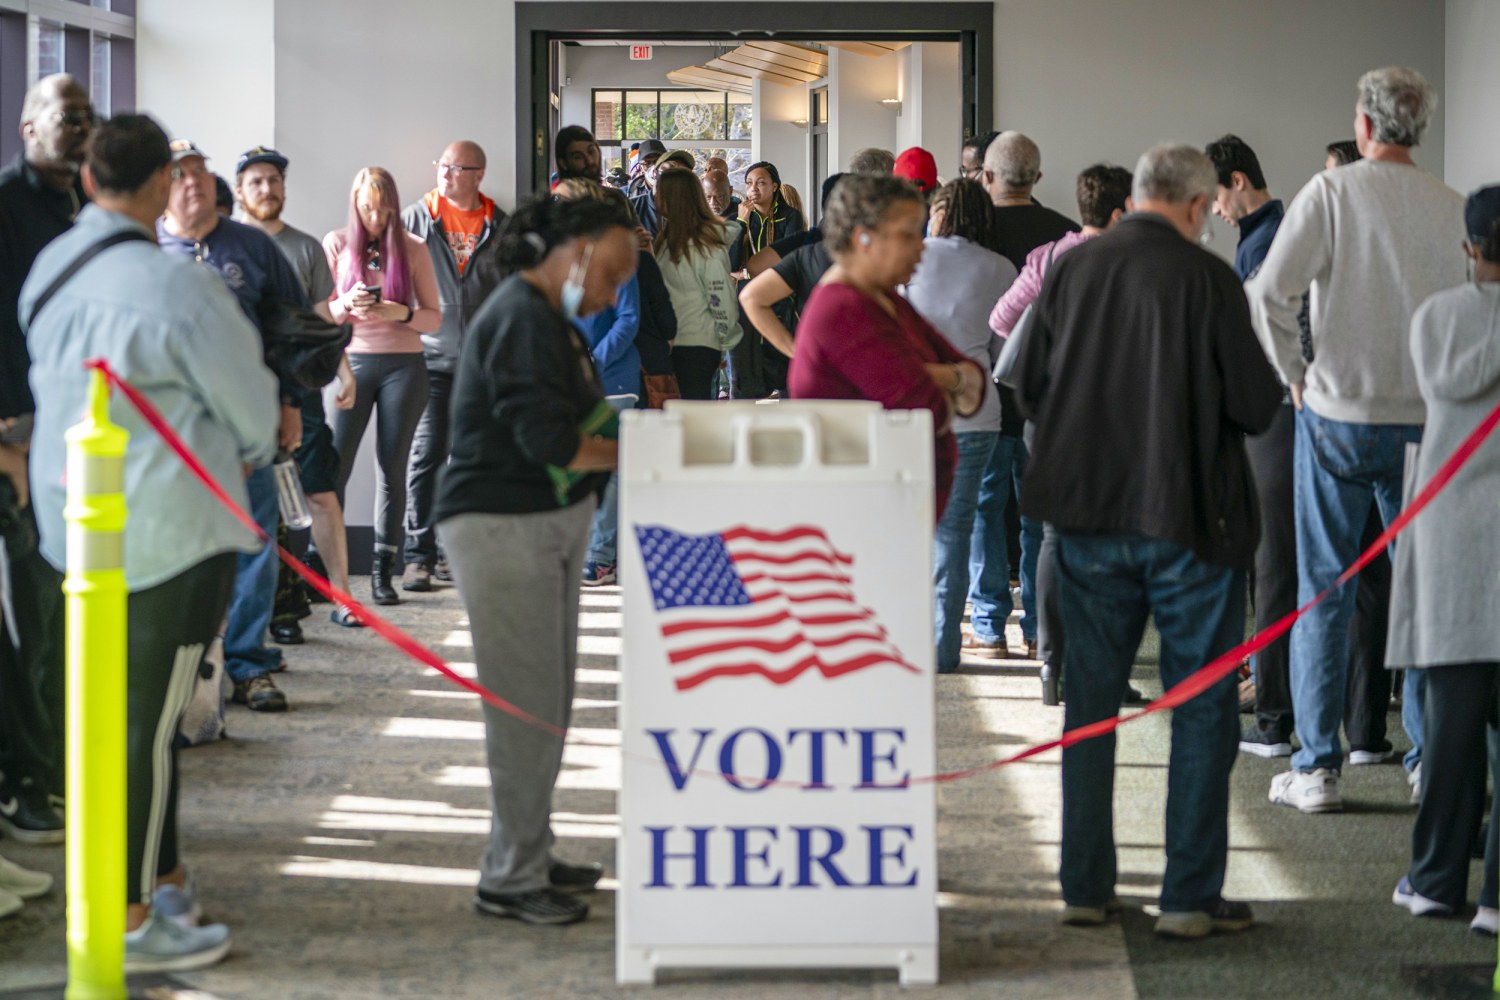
point(396, 384)
point(695, 368)
point(170, 626)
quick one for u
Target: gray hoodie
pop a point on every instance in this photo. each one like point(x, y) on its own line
point(460, 295)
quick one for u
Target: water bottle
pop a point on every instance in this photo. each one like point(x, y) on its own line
point(289, 495)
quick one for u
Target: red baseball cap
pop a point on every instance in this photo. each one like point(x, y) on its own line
point(918, 166)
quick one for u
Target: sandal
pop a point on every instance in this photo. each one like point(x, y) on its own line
point(345, 617)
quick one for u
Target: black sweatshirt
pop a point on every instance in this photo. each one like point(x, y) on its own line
point(1143, 375)
point(524, 383)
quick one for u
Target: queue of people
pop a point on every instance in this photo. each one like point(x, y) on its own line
point(1182, 435)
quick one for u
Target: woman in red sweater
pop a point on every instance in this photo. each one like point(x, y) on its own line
point(859, 339)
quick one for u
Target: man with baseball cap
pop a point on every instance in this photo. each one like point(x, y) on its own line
point(918, 166)
point(646, 154)
point(260, 187)
point(644, 204)
point(256, 272)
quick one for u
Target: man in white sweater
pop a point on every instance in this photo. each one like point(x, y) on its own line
point(1371, 240)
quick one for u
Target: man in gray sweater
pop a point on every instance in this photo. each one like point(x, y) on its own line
point(1371, 240)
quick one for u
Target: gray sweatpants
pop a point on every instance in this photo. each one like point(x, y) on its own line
point(519, 578)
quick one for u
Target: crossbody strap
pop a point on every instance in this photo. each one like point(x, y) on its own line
point(123, 236)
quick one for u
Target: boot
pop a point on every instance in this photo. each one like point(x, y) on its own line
point(380, 579)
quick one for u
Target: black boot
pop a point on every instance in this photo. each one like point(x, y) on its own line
point(380, 579)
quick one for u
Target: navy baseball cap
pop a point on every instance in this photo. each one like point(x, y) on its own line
point(260, 154)
point(1481, 209)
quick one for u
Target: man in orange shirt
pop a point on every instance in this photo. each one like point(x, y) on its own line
point(461, 228)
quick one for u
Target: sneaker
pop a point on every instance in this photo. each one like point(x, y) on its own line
point(1371, 755)
point(260, 694)
point(1257, 741)
point(1092, 916)
point(1188, 925)
point(26, 815)
point(993, 649)
point(574, 878)
point(159, 945)
point(22, 882)
point(1416, 903)
point(539, 906)
point(1414, 779)
point(1309, 791)
point(179, 905)
point(1486, 921)
point(442, 571)
point(417, 578)
point(598, 574)
point(10, 904)
point(287, 634)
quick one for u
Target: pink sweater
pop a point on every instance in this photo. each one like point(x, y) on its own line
point(383, 336)
point(1024, 290)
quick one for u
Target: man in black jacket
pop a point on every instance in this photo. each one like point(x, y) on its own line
point(1144, 375)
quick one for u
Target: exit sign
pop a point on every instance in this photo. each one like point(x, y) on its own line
point(640, 53)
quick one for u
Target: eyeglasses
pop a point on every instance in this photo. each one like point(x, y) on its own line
point(453, 168)
point(972, 173)
point(76, 120)
point(178, 173)
point(372, 255)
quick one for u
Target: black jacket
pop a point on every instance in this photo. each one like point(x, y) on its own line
point(653, 339)
point(31, 216)
point(524, 384)
point(460, 295)
point(1143, 375)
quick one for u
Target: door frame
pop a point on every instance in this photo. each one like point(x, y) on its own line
point(540, 24)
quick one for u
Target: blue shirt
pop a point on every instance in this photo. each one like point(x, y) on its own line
point(251, 264)
point(171, 329)
point(1256, 232)
point(611, 338)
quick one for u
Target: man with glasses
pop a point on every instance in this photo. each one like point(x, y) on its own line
point(256, 272)
point(971, 158)
point(40, 195)
point(461, 228)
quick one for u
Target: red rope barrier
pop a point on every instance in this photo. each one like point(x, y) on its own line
point(1187, 689)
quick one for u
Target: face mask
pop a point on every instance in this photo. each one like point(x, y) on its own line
point(572, 289)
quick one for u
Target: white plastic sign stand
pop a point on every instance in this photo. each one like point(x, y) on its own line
point(777, 689)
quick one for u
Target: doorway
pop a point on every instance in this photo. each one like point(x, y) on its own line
point(540, 27)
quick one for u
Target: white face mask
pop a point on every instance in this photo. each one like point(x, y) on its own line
point(572, 289)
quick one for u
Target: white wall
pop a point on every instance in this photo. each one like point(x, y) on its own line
point(776, 138)
point(1472, 94)
point(857, 119)
point(590, 66)
point(1095, 80)
point(208, 78)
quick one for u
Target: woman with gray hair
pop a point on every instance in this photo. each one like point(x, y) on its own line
point(859, 339)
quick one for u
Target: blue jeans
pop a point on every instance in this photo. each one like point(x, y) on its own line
point(1413, 708)
point(605, 532)
point(1031, 547)
point(989, 562)
point(1338, 468)
point(245, 652)
point(950, 545)
point(1108, 585)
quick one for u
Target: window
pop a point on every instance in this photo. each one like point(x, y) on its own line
point(49, 40)
point(704, 122)
point(99, 71)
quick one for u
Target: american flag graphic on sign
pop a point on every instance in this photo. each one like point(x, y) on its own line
point(747, 602)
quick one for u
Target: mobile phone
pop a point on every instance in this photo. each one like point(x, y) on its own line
point(20, 431)
point(372, 290)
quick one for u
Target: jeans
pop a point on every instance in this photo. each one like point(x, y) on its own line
point(1031, 550)
point(989, 563)
point(395, 386)
point(951, 543)
point(429, 453)
point(1109, 585)
point(606, 527)
point(246, 654)
point(1413, 716)
point(1339, 468)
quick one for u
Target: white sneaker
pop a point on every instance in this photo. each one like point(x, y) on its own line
point(1364, 757)
point(1308, 791)
point(159, 945)
point(1417, 904)
point(1486, 921)
point(10, 904)
point(22, 881)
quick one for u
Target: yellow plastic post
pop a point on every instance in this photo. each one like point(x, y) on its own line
point(96, 595)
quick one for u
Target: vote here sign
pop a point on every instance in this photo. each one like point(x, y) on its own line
point(777, 694)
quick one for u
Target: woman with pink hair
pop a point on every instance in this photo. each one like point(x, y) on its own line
point(384, 284)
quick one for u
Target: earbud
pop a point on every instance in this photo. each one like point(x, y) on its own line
point(864, 239)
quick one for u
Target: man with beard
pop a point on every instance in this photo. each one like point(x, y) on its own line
point(260, 186)
point(40, 195)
